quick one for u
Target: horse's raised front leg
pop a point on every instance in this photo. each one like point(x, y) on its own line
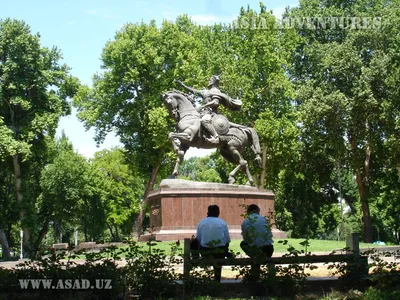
point(175, 144)
point(183, 136)
point(180, 156)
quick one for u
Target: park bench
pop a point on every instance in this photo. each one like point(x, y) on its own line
point(60, 248)
point(351, 257)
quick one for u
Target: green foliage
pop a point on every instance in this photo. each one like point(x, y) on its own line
point(150, 272)
point(142, 62)
point(33, 86)
point(301, 198)
point(347, 103)
point(9, 146)
point(63, 182)
point(34, 89)
point(145, 60)
point(51, 265)
point(385, 275)
point(200, 169)
point(290, 279)
point(252, 66)
point(201, 282)
point(353, 270)
point(119, 187)
point(377, 294)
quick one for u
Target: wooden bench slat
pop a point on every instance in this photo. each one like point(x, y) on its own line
point(275, 260)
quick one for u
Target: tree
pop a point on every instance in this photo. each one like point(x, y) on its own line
point(304, 191)
point(200, 169)
point(121, 189)
point(139, 65)
point(345, 75)
point(386, 207)
point(33, 90)
point(7, 147)
point(64, 184)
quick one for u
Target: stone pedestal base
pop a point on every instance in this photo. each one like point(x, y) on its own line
point(178, 206)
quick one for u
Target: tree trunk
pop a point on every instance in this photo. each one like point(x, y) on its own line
point(367, 222)
point(56, 231)
point(18, 188)
point(264, 166)
point(42, 233)
point(117, 238)
point(362, 178)
point(18, 183)
point(111, 232)
point(4, 245)
point(398, 166)
point(149, 187)
point(85, 232)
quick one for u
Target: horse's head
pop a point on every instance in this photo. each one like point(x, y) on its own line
point(171, 104)
point(179, 104)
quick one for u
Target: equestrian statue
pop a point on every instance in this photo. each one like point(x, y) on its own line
point(205, 127)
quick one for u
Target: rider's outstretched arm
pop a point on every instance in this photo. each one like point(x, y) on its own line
point(193, 90)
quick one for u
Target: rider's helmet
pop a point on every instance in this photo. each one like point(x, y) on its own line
point(214, 80)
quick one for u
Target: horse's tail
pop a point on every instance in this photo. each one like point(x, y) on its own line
point(255, 144)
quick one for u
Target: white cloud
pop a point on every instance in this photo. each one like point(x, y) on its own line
point(278, 11)
point(87, 152)
point(82, 140)
point(196, 152)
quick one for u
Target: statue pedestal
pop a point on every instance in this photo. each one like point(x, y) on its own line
point(178, 205)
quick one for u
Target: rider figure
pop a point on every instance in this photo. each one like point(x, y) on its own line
point(211, 99)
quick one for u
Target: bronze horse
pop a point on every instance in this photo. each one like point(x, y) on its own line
point(233, 138)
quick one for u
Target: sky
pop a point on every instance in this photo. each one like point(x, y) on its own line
point(80, 29)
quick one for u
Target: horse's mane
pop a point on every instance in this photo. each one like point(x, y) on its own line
point(189, 97)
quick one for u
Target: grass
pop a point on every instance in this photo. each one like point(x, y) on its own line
point(314, 245)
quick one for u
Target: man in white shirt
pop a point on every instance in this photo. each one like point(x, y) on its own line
point(213, 237)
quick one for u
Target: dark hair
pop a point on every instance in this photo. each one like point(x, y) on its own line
point(213, 211)
point(252, 208)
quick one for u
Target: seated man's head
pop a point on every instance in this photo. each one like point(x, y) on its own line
point(213, 211)
point(253, 208)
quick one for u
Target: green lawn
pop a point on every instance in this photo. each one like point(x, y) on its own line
point(314, 245)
